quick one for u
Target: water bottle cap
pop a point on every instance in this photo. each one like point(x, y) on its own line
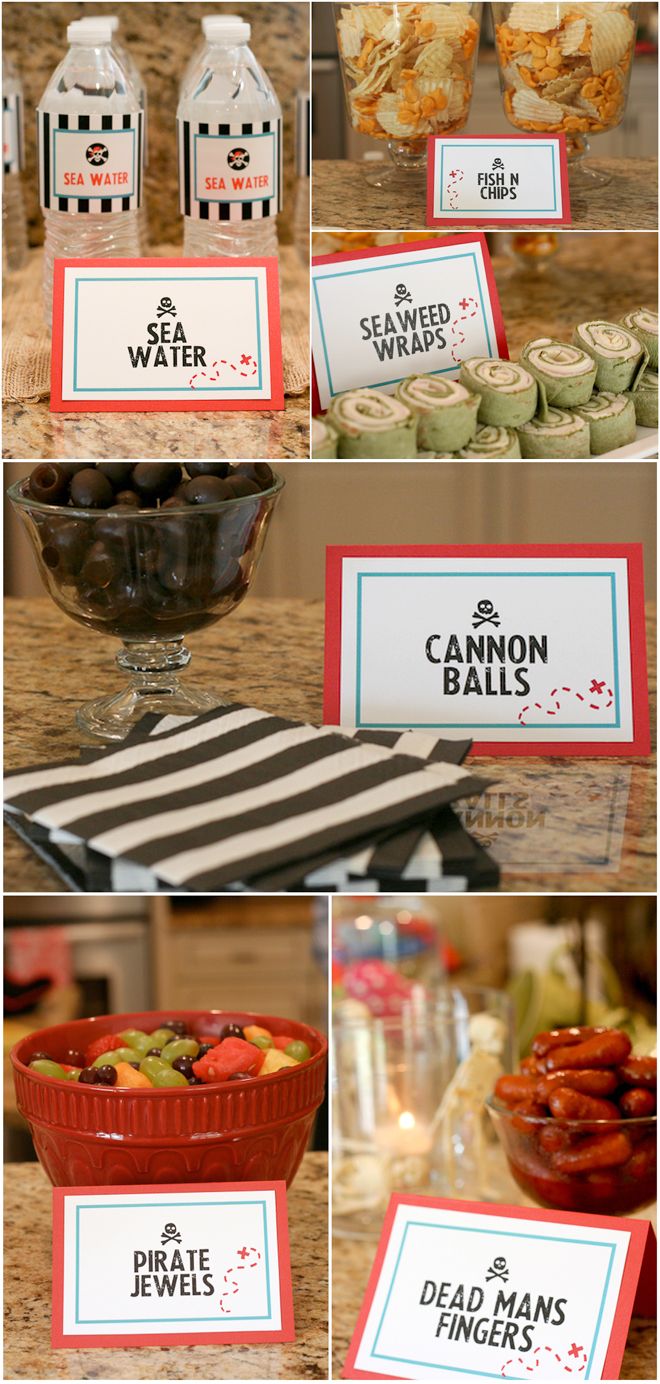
point(92, 21)
point(90, 32)
point(226, 28)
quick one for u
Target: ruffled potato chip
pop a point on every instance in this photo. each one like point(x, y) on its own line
point(450, 20)
point(350, 33)
point(528, 105)
point(376, 19)
point(435, 58)
point(563, 89)
point(612, 36)
point(536, 18)
point(571, 36)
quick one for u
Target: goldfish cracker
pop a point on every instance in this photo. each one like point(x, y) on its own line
point(276, 1061)
point(127, 1076)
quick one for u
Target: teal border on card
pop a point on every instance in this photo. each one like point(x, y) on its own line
point(493, 147)
point(479, 725)
point(391, 264)
point(502, 1234)
point(252, 196)
point(93, 196)
point(148, 390)
point(138, 1321)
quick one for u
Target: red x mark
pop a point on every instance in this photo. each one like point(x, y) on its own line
point(243, 1253)
point(245, 360)
point(464, 303)
point(575, 1350)
point(596, 686)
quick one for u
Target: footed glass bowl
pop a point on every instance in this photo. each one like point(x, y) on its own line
point(604, 1167)
point(149, 577)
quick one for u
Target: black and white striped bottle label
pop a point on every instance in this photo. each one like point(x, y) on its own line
point(230, 172)
point(13, 156)
point(90, 163)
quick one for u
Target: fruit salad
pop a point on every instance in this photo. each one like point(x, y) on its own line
point(174, 1056)
point(577, 1121)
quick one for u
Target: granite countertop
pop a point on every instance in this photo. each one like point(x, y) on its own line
point(27, 1349)
point(583, 825)
point(352, 1261)
point(342, 198)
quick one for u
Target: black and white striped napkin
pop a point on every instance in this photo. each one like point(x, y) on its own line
point(230, 799)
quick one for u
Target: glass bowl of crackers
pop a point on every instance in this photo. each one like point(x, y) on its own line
point(565, 68)
point(408, 72)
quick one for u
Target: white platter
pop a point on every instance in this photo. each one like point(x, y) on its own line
point(646, 444)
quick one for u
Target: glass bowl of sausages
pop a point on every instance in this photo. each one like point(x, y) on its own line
point(578, 1122)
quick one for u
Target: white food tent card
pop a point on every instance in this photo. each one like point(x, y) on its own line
point(380, 315)
point(171, 1264)
point(536, 649)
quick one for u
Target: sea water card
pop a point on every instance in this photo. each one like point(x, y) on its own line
point(508, 180)
point(383, 314)
point(171, 1264)
point(166, 335)
point(476, 1291)
point(528, 649)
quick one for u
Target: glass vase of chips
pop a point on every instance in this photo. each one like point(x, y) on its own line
point(565, 68)
point(408, 72)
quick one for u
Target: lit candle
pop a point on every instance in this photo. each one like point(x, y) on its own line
point(407, 1138)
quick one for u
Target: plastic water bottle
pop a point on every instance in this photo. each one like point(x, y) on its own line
point(301, 205)
point(229, 128)
point(90, 154)
point(14, 226)
point(131, 68)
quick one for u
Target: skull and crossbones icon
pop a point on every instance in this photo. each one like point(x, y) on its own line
point(165, 305)
point(170, 1233)
point(498, 1269)
point(401, 295)
point(485, 614)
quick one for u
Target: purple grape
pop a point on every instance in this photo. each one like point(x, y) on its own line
point(106, 1075)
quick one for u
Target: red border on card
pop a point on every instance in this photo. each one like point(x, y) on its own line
point(633, 552)
point(197, 405)
point(380, 251)
point(642, 1240)
point(205, 1338)
point(564, 220)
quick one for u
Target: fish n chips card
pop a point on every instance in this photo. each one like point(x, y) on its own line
point(171, 1264)
point(380, 315)
point(527, 649)
point(473, 1291)
point(166, 335)
point(505, 180)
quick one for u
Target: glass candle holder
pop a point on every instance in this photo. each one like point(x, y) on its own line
point(409, 1101)
point(408, 73)
point(149, 578)
point(565, 72)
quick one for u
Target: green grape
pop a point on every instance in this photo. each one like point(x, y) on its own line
point(45, 1067)
point(114, 1056)
point(136, 1039)
point(160, 1073)
point(160, 1037)
point(262, 1041)
point(298, 1050)
point(74, 1075)
point(180, 1047)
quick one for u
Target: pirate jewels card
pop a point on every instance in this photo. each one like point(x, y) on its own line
point(383, 314)
point(166, 335)
point(528, 649)
point(473, 1291)
point(204, 1263)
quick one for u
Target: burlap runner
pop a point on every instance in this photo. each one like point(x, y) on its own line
point(26, 343)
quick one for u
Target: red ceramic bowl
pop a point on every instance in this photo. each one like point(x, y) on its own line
point(234, 1132)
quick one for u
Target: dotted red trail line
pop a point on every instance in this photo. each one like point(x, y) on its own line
point(455, 177)
point(600, 689)
point(457, 331)
point(244, 374)
point(232, 1285)
point(522, 1363)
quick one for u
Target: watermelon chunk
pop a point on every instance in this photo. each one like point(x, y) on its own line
point(230, 1056)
